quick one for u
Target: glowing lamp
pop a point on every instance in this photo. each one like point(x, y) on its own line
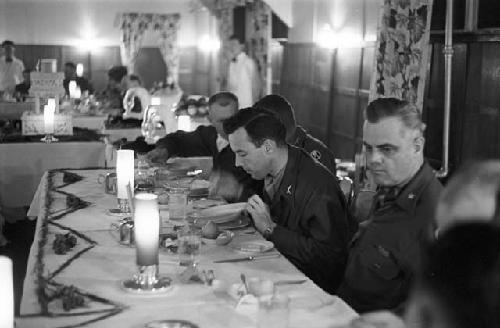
point(7, 293)
point(124, 176)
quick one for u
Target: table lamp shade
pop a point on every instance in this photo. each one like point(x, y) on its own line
point(146, 228)
point(124, 172)
point(6, 293)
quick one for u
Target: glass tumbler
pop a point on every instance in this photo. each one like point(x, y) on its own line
point(189, 243)
point(177, 202)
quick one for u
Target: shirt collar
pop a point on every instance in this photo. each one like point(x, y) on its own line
point(409, 195)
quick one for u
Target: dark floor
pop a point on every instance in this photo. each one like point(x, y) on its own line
point(20, 236)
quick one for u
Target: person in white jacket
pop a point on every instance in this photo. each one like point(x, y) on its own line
point(243, 77)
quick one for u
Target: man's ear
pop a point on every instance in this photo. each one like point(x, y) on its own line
point(269, 145)
point(419, 143)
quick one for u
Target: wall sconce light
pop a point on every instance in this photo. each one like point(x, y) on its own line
point(207, 44)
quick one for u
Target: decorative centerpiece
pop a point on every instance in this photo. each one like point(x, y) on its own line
point(193, 105)
point(46, 85)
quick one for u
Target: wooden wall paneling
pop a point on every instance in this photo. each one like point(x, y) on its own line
point(345, 102)
point(305, 83)
point(277, 51)
point(30, 54)
point(482, 117)
point(201, 74)
point(101, 61)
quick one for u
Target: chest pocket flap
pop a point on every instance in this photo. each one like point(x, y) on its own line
point(381, 261)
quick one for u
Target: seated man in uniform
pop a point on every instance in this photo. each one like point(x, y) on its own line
point(232, 183)
point(295, 134)
point(302, 210)
point(386, 253)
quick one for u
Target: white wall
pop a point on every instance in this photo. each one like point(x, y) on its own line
point(61, 22)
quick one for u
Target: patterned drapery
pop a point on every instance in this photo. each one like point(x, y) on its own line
point(258, 38)
point(402, 50)
point(133, 27)
point(258, 34)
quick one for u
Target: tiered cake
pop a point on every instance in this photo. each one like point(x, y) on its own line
point(44, 86)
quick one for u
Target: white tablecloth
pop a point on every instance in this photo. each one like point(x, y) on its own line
point(23, 164)
point(99, 270)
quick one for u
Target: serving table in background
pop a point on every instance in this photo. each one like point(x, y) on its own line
point(73, 201)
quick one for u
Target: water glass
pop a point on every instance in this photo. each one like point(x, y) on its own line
point(177, 202)
point(189, 243)
point(273, 311)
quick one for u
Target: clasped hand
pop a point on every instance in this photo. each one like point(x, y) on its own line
point(259, 211)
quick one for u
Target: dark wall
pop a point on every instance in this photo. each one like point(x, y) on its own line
point(475, 105)
point(329, 90)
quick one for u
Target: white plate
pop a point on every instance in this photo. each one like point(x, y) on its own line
point(252, 246)
point(221, 210)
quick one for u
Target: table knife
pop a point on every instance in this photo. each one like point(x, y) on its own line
point(290, 282)
point(250, 258)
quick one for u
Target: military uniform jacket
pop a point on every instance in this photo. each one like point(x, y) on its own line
point(384, 258)
point(315, 148)
point(310, 213)
point(203, 142)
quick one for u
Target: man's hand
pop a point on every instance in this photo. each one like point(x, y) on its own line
point(157, 156)
point(259, 211)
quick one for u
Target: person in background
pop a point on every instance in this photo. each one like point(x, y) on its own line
point(295, 134)
point(302, 210)
point(136, 99)
point(472, 194)
point(70, 75)
point(386, 252)
point(115, 90)
point(230, 182)
point(243, 77)
point(23, 89)
point(11, 69)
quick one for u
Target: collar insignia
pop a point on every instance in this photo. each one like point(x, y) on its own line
point(289, 190)
point(411, 196)
point(316, 155)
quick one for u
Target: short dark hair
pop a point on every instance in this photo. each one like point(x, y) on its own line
point(117, 73)
point(224, 99)
point(133, 77)
point(382, 108)
point(70, 64)
point(8, 43)
point(260, 125)
point(237, 38)
point(281, 107)
point(462, 269)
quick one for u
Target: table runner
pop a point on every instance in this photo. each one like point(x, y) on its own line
point(73, 202)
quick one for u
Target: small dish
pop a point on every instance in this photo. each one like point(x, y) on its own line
point(252, 246)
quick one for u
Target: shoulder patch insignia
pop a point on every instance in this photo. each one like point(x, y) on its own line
point(316, 155)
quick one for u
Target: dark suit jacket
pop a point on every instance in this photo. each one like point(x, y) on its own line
point(310, 213)
point(386, 255)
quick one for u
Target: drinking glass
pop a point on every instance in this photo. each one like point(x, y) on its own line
point(273, 311)
point(177, 202)
point(189, 243)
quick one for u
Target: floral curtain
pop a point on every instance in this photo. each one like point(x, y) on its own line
point(258, 38)
point(133, 27)
point(258, 34)
point(402, 50)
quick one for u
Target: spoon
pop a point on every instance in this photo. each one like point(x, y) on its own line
point(244, 280)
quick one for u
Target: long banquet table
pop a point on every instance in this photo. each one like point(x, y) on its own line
point(74, 202)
